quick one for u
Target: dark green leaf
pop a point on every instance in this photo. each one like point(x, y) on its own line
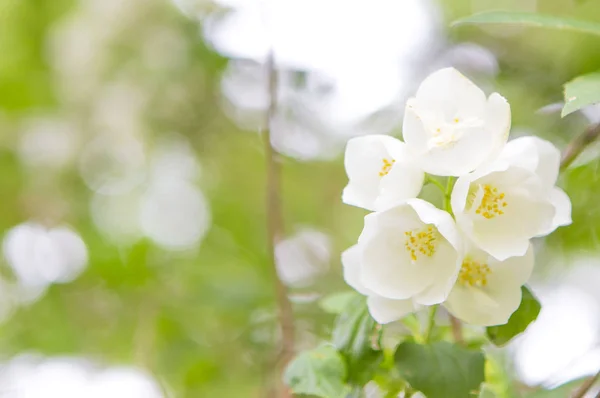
point(320, 372)
point(442, 369)
point(352, 336)
point(530, 19)
point(335, 303)
point(580, 92)
point(519, 320)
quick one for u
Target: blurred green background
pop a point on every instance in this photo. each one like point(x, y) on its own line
point(126, 122)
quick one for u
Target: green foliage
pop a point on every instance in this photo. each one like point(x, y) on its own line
point(526, 313)
point(319, 372)
point(335, 303)
point(581, 91)
point(487, 392)
point(530, 19)
point(139, 305)
point(442, 369)
point(352, 336)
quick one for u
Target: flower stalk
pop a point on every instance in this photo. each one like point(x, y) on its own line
point(430, 323)
point(578, 144)
point(275, 225)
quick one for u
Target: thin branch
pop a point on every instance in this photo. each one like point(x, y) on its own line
point(430, 323)
point(578, 144)
point(275, 225)
point(448, 194)
point(585, 387)
point(456, 326)
point(431, 180)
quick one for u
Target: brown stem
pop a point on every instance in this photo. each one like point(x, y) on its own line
point(585, 387)
point(275, 227)
point(578, 144)
point(456, 329)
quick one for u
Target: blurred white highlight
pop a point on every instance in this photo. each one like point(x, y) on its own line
point(346, 75)
point(47, 142)
point(167, 207)
point(39, 256)
point(303, 257)
point(32, 376)
point(564, 342)
point(174, 214)
point(43, 256)
point(113, 166)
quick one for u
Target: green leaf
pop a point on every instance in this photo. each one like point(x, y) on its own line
point(580, 92)
point(320, 372)
point(442, 369)
point(335, 303)
point(352, 336)
point(530, 19)
point(487, 392)
point(526, 313)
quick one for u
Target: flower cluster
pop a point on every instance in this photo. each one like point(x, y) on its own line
point(474, 255)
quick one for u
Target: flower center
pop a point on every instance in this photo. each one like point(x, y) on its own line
point(444, 139)
point(387, 166)
point(447, 134)
point(492, 202)
point(473, 273)
point(421, 242)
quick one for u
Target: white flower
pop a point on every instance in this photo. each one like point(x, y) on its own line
point(412, 250)
point(543, 158)
point(500, 207)
point(452, 126)
point(380, 171)
point(488, 291)
point(382, 309)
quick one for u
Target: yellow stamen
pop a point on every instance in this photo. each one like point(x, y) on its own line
point(421, 242)
point(492, 203)
point(474, 273)
point(387, 166)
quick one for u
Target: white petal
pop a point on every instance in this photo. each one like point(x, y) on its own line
point(396, 148)
point(351, 261)
point(529, 211)
point(508, 235)
point(385, 310)
point(514, 271)
point(535, 154)
point(413, 131)
point(387, 267)
point(430, 214)
point(364, 163)
point(497, 122)
point(450, 256)
point(462, 157)
point(399, 218)
point(476, 307)
point(404, 181)
point(363, 196)
point(432, 129)
point(562, 206)
point(460, 192)
point(448, 269)
point(450, 92)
